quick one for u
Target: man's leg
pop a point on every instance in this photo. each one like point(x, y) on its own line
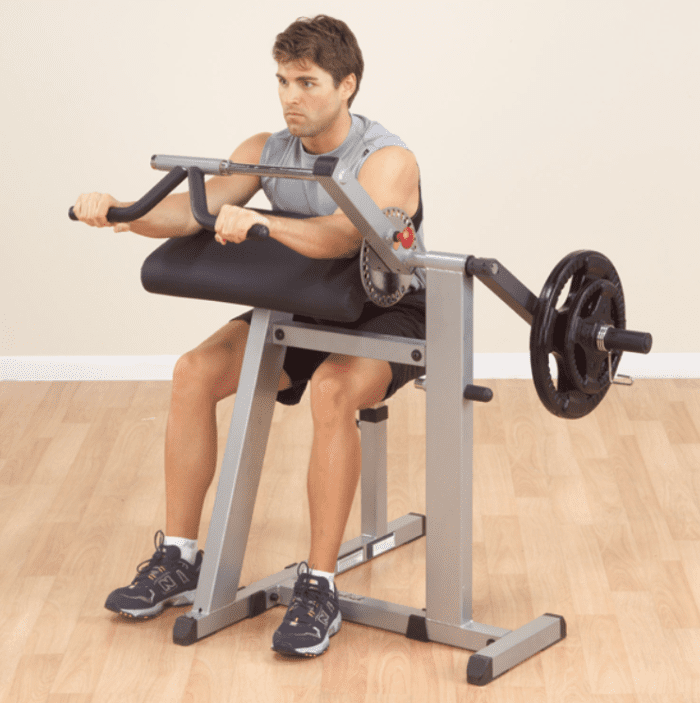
point(341, 386)
point(202, 377)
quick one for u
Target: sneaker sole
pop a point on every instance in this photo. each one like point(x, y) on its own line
point(181, 599)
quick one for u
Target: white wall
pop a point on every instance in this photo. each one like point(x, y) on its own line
point(540, 128)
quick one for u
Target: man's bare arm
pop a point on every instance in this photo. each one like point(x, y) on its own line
point(390, 176)
point(172, 217)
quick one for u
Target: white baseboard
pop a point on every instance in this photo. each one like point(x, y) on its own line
point(160, 368)
point(87, 368)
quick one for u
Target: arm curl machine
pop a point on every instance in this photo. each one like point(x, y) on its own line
point(585, 334)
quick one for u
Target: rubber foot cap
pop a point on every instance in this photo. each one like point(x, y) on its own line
point(417, 629)
point(185, 631)
point(479, 670)
point(257, 604)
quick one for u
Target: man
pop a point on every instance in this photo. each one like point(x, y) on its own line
point(319, 69)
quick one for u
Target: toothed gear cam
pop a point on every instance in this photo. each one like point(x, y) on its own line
point(383, 287)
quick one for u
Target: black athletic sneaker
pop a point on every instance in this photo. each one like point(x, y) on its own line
point(312, 618)
point(165, 579)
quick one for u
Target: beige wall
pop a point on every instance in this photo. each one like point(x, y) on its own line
point(540, 128)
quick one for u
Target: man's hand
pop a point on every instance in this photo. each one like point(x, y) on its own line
point(233, 223)
point(91, 208)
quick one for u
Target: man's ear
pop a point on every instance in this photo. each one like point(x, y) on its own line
point(348, 85)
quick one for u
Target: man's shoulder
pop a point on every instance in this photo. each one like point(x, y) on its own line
point(376, 144)
point(249, 151)
point(277, 146)
point(375, 135)
point(375, 138)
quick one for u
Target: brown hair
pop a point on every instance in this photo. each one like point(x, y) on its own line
point(327, 42)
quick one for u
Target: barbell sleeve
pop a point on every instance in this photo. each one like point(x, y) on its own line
point(613, 339)
point(145, 204)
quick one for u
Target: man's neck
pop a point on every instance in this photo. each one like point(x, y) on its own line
point(331, 138)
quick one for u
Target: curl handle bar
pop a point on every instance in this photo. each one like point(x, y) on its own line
point(159, 191)
point(198, 203)
point(342, 187)
point(164, 187)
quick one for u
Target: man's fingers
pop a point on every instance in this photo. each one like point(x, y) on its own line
point(92, 208)
point(233, 223)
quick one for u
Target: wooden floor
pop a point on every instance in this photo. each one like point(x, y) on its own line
point(596, 519)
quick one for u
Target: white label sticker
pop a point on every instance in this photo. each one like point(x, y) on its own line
point(349, 561)
point(384, 546)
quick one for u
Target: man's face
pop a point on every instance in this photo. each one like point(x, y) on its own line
point(310, 101)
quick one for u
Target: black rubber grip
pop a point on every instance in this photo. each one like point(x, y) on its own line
point(259, 231)
point(200, 209)
point(627, 340)
point(478, 393)
point(198, 199)
point(159, 191)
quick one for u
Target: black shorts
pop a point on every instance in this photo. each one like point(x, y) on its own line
point(405, 319)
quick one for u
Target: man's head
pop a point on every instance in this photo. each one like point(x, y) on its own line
point(326, 42)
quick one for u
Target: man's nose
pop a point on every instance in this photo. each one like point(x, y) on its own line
point(291, 95)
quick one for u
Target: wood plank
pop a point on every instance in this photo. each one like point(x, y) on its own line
point(33, 678)
point(656, 662)
point(597, 520)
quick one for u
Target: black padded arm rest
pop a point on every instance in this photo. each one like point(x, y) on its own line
point(258, 273)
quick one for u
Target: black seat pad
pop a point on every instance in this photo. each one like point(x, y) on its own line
point(258, 273)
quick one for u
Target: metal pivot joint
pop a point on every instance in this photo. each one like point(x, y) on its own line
point(383, 287)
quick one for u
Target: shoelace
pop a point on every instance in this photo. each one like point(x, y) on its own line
point(306, 594)
point(146, 568)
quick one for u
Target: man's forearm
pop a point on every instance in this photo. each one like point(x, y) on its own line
point(170, 218)
point(330, 237)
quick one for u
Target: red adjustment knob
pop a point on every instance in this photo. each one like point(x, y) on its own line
point(405, 238)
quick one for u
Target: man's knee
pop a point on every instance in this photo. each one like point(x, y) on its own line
point(329, 390)
point(338, 390)
point(212, 371)
point(193, 372)
point(213, 368)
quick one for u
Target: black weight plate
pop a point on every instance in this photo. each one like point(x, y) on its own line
point(549, 327)
point(598, 303)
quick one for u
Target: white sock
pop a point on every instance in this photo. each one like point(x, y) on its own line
point(324, 574)
point(188, 547)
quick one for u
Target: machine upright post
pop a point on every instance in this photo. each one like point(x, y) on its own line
point(373, 480)
point(448, 448)
point(243, 459)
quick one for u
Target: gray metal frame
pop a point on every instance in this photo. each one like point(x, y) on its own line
point(447, 354)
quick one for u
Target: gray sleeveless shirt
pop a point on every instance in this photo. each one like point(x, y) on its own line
point(308, 197)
